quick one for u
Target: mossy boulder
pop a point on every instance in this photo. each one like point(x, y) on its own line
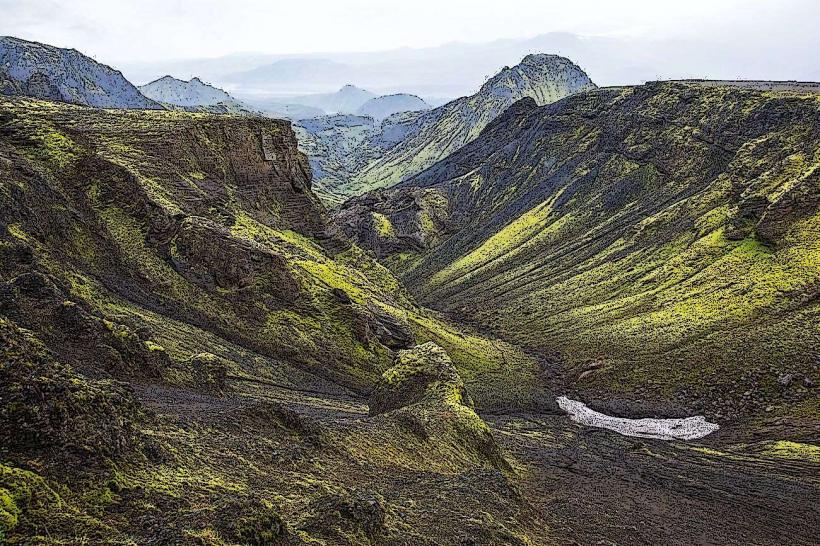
point(340, 515)
point(424, 394)
point(424, 373)
point(22, 492)
point(255, 522)
point(209, 373)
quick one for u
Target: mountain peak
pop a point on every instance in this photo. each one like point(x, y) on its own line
point(537, 75)
point(53, 73)
point(195, 92)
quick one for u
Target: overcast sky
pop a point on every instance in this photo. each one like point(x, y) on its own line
point(146, 30)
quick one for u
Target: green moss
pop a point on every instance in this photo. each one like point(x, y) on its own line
point(382, 225)
point(794, 450)
point(154, 347)
point(9, 512)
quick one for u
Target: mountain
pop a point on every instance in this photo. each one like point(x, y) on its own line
point(194, 96)
point(287, 74)
point(278, 109)
point(654, 240)
point(181, 93)
point(346, 100)
point(385, 106)
point(412, 142)
point(38, 70)
point(191, 353)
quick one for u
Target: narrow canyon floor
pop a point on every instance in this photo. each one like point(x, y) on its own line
point(567, 483)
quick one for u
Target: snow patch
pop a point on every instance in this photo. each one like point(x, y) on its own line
point(690, 428)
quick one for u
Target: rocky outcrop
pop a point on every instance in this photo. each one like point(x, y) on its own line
point(424, 394)
point(50, 411)
point(422, 375)
point(205, 253)
point(46, 72)
point(394, 221)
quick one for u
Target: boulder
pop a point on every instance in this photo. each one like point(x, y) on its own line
point(424, 373)
point(424, 395)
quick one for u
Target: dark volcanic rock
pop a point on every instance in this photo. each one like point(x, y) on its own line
point(48, 410)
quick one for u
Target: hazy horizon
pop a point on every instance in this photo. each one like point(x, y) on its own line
point(428, 48)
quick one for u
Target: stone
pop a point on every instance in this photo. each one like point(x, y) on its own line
point(422, 374)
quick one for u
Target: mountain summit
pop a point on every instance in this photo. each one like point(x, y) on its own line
point(47, 72)
point(178, 92)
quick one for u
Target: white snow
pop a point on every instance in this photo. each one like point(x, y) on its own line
point(690, 428)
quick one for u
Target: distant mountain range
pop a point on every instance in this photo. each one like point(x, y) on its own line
point(406, 143)
point(288, 73)
point(46, 72)
point(456, 69)
point(346, 100)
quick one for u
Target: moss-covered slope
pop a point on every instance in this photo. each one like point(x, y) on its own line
point(660, 239)
point(155, 237)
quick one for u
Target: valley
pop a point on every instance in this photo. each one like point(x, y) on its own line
point(396, 323)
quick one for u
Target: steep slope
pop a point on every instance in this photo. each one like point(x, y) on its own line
point(662, 240)
point(439, 132)
point(407, 142)
point(38, 70)
point(385, 106)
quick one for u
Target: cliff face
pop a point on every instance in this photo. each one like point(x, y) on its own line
point(658, 238)
point(46, 72)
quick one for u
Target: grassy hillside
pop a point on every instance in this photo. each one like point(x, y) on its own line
point(657, 240)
